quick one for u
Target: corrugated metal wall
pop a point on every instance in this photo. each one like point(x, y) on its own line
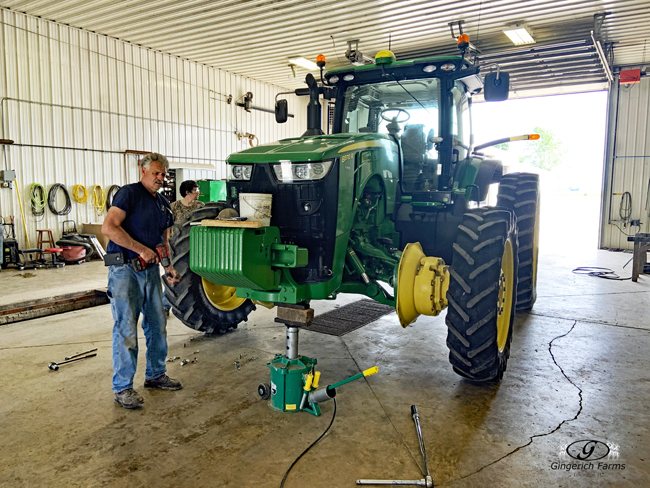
point(74, 102)
point(627, 164)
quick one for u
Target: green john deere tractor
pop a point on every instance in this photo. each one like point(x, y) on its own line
point(391, 205)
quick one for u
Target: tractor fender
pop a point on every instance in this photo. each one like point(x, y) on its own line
point(489, 172)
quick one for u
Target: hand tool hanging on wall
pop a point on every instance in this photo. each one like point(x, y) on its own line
point(428, 480)
point(22, 214)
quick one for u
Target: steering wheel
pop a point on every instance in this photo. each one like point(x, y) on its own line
point(395, 118)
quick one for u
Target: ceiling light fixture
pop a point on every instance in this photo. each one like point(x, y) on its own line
point(519, 34)
point(304, 63)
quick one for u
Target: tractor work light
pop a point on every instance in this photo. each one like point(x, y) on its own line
point(429, 68)
point(448, 67)
point(348, 77)
point(519, 34)
point(333, 79)
point(288, 172)
point(240, 172)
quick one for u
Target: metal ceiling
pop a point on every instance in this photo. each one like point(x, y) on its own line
point(255, 38)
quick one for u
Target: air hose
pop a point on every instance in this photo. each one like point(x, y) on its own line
point(38, 195)
point(51, 199)
point(98, 199)
point(75, 194)
point(110, 194)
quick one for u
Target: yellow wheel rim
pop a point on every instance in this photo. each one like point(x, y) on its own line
point(504, 305)
point(535, 243)
point(222, 297)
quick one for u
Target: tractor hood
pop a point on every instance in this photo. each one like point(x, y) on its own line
point(314, 148)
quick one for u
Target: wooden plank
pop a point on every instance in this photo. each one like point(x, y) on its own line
point(246, 224)
point(17, 312)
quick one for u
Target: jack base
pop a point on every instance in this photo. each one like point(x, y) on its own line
point(287, 384)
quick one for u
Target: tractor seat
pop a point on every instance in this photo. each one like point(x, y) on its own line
point(414, 144)
point(414, 150)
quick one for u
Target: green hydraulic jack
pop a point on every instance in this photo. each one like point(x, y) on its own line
point(294, 380)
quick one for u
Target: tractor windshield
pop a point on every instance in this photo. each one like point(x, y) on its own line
point(409, 109)
point(370, 108)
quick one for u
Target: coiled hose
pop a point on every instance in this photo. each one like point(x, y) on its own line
point(75, 194)
point(38, 195)
point(110, 194)
point(98, 199)
point(51, 199)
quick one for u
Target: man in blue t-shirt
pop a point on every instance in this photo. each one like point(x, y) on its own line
point(137, 222)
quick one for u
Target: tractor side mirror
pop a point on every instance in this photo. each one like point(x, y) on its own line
point(281, 111)
point(496, 90)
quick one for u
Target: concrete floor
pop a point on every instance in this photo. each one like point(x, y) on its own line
point(579, 369)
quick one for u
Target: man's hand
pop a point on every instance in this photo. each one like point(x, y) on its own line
point(172, 275)
point(149, 256)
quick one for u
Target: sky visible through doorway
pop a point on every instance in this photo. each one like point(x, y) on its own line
point(578, 120)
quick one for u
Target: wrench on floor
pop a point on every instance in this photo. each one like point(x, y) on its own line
point(428, 480)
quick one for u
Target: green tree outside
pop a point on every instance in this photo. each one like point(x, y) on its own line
point(545, 153)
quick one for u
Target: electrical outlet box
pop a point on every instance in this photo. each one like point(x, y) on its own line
point(7, 176)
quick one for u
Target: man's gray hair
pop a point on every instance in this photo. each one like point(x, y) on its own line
point(146, 161)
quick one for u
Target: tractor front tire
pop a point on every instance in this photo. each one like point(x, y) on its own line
point(520, 193)
point(198, 303)
point(481, 294)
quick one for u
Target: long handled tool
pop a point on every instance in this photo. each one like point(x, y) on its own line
point(428, 480)
point(55, 366)
point(80, 354)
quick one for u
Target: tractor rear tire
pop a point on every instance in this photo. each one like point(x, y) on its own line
point(189, 298)
point(520, 193)
point(481, 293)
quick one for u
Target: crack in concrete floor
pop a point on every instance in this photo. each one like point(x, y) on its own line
point(532, 438)
point(587, 321)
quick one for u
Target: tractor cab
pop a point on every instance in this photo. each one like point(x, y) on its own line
point(423, 105)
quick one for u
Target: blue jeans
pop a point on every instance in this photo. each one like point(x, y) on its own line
point(166, 304)
point(132, 293)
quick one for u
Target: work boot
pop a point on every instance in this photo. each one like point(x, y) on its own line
point(129, 398)
point(163, 382)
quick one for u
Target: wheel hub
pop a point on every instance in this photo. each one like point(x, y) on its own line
point(504, 303)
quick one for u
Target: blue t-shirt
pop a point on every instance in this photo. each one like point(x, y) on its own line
point(147, 217)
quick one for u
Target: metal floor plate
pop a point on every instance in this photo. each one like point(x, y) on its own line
point(349, 317)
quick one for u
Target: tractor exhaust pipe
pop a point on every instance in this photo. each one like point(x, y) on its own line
point(314, 116)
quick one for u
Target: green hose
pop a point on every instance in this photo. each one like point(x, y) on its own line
point(38, 197)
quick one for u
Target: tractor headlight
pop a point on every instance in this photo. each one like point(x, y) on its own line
point(240, 172)
point(288, 172)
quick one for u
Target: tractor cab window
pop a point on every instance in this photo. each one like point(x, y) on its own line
point(407, 109)
point(461, 128)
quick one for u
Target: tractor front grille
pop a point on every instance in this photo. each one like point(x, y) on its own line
point(305, 213)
